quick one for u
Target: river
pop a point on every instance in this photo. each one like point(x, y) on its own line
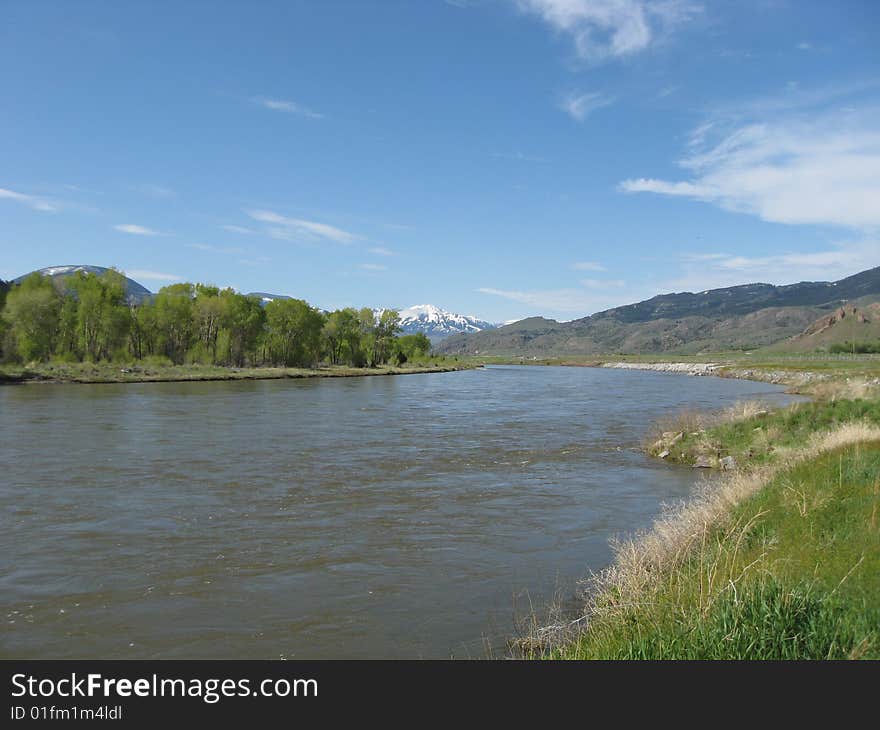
point(382, 517)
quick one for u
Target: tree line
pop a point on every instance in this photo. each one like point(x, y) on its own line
point(88, 317)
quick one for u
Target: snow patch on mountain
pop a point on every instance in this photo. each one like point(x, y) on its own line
point(438, 323)
point(135, 292)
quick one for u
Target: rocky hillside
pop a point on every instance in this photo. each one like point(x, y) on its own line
point(849, 323)
point(741, 317)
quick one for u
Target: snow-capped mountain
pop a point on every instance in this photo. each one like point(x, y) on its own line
point(136, 292)
point(437, 323)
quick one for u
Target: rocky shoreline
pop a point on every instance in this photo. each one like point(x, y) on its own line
point(685, 368)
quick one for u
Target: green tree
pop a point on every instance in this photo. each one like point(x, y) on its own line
point(68, 341)
point(4, 325)
point(412, 346)
point(245, 323)
point(386, 327)
point(294, 332)
point(175, 321)
point(210, 310)
point(342, 334)
point(102, 313)
point(143, 330)
point(31, 310)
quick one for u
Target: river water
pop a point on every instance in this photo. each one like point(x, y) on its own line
point(378, 517)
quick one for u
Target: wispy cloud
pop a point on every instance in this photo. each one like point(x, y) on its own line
point(288, 107)
point(667, 91)
point(567, 301)
point(836, 261)
point(379, 251)
point(151, 275)
point(603, 283)
point(587, 266)
point(299, 229)
point(821, 168)
point(607, 29)
point(29, 200)
point(373, 267)
point(156, 191)
point(135, 230)
point(215, 249)
point(580, 106)
point(519, 156)
point(239, 229)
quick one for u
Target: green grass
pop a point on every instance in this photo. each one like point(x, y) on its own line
point(794, 573)
point(763, 438)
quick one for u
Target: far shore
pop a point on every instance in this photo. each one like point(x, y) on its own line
point(103, 373)
point(813, 374)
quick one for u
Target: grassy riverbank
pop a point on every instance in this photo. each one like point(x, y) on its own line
point(147, 373)
point(749, 434)
point(781, 563)
point(776, 558)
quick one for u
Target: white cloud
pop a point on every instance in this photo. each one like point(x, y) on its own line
point(152, 275)
point(579, 302)
point(604, 29)
point(580, 106)
point(714, 270)
point(373, 267)
point(519, 157)
point(135, 230)
point(588, 266)
point(29, 200)
point(297, 228)
point(819, 170)
point(156, 191)
point(379, 251)
point(289, 107)
point(215, 249)
point(239, 229)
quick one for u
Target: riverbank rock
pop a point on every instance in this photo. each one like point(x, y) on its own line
point(703, 462)
point(728, 463)
point(686, 368)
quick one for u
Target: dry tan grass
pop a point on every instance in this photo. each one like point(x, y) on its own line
point(848, 389)
point(742, 411)
point(642, 561)
point(663, 434)
point(649, 562)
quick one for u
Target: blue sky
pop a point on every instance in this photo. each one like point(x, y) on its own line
point(500, 158)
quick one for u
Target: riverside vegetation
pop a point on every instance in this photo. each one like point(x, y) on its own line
point(778, 559)
point(83, 328)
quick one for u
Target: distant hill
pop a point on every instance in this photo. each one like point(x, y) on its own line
point(439, 323)
point(136, 292)
point(740, 317)
point(266, 298)
point(846, 324)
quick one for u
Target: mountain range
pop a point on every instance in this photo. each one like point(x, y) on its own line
point(433, 321)
point(795, 317)
point(740, 317)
